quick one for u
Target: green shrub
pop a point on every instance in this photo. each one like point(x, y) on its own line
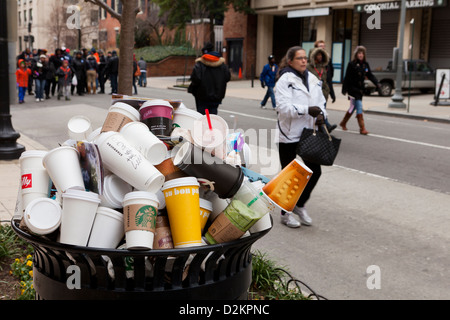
point(158, 53)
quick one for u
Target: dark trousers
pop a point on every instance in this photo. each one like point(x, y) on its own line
point(288, 153)
point(202, 106)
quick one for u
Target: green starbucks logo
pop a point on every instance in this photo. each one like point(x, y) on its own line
point(145, 217)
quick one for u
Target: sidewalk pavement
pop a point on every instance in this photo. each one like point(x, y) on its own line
point(419, 108)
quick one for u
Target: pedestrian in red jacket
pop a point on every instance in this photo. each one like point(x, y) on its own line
point(22, 75)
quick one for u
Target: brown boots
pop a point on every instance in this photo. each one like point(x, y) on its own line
point(359, 117)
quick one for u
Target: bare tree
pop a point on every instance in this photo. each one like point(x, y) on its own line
point(127, 19)
point(58, 27)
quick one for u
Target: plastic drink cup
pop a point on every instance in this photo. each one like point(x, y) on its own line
point(42, 216)
point(158, 116)
point(185, 118)
point(213, 141)
point(35, 182)
point(78, 214)
point(287, 186)
point(114, 190)
point(140, 209)
point(127, 163)
point(140, 137)
point(205, 211)
point(63, 167)
point(183, 209)
point(119, 114)
point(201, 164)
point(79, 128)
point(107, 230)
point(163, 235)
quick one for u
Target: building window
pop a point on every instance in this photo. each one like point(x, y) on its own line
point(20, 18)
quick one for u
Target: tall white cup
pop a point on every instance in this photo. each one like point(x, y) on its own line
point(107, 230)
point(63, 167)
point(139, 136)
point(35, 181)
point(79, 210)
point(126, 162)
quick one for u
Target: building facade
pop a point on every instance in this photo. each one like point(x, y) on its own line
point(344, 24)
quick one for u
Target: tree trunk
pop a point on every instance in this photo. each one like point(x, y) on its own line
point(127, 27)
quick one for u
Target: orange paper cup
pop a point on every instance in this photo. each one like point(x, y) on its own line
point(287, 186)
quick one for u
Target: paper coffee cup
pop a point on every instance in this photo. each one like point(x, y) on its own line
point(78, 214)
point(262, 224)
point(287, 186)
point(63, 167)
point(185, 118)
point(205, 211)
point(119, 114)
point(183, 209)
point(107, 231)
point(127, 163)
point(140, 209)
point(42, 216)
point(140, 137)
point(79, 128)
point(114, 190)
point(163, 235)
point(158, 116)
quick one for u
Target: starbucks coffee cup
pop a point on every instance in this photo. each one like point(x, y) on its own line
point(42, 216)
point(107, 230)
point(63, 167)
point(140, 209)
point(119, 114)
point(78, 214)
point(127, 163)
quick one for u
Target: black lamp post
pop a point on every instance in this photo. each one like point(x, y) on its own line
point(9, 148)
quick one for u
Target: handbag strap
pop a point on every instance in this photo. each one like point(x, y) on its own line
point(324, 126)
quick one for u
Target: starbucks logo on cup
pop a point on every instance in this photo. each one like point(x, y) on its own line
point(145, 217)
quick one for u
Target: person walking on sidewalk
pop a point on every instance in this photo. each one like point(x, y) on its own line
point(22, 76)
point(40, 77)
point(91, 73)
point(300, 104)
point(209, 80)
point(267, 78)
point(142, 65)
point(357, 70)
point(64, 74)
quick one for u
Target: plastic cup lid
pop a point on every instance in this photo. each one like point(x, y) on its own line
point(156, 102)
point(33, 154)
point(116, 188)
point(138, 195)
point(188, 112)
point(110, 213)
point(206, 204)
point(79, 124)
point(180, 182)
point(126, 107)
point(81, 195)
point(43, 215)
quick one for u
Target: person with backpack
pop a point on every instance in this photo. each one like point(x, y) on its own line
point(91, 73)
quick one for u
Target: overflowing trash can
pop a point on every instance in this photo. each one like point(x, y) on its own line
point(66, 272)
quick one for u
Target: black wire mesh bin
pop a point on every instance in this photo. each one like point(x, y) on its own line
point(66, 272)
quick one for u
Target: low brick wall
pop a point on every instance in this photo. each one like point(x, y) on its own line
point(171, 66)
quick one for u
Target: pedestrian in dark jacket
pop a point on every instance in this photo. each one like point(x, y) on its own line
point(101, 71)
point(64, 74)
point(91, 73)
point(79, 70)
point(112, 71)
point(267, 78)
point(357, 70)
point(209, 80)
point(39, 73)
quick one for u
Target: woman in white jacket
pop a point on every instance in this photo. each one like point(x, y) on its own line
point(300, 102)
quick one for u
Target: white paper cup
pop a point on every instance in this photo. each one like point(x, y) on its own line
point(107, 230)
point(63, 167)
point(127, 163)
point(185, 118)
point(140, 137)
point(94, 134)
point(114, 190)
point(35, 182)
point(262, 224)
point(79, 128)
point(140, 209)
point(119, 114)
point(43, 216)
point(79, 210)
point(212, 141)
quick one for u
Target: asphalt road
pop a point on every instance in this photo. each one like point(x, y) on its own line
point(385, 202)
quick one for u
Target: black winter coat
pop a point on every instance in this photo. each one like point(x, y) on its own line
point(209, 80)
point(355, 75)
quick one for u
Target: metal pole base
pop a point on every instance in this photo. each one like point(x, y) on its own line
point(397, 102)
point(9, 148)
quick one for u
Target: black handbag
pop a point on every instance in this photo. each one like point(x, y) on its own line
point(318, 147)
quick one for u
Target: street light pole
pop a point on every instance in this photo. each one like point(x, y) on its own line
point(397, 99)
point(9, 148)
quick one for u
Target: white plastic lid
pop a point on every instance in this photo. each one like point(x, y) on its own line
point(180, 182)
point(139, 195)
point(81, 195)
point(110, 213)
point(94, 134)
point(79, 124)
point(155, 102)
point(43, 216)
point(33, 154)
point(161, 199)
point(115, 189)
point(188, 112)
point(206, 204)
point(126, 108)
